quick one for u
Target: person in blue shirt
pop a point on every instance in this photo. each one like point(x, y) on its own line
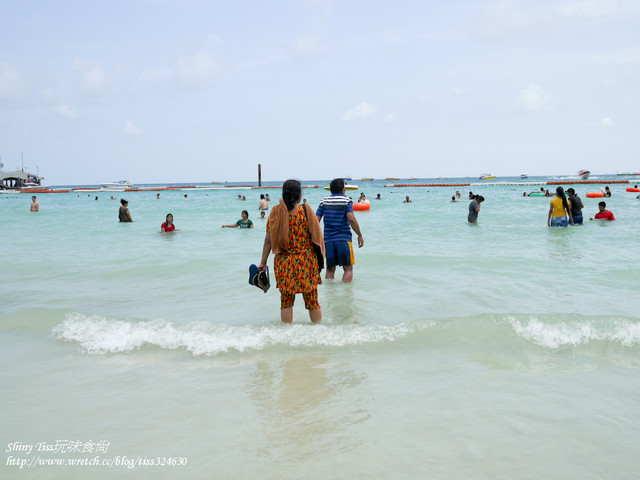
point(337, 211)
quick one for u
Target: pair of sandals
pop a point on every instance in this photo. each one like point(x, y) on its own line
point(259, 279)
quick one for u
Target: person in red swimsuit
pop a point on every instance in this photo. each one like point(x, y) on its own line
point(168, 226)
point(604, 214)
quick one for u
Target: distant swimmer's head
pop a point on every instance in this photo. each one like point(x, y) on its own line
point(245, 214)
point(602, 206)
point(262, 196)
point(291, 192)
point(169, 217)
point(337, 185)
point(124, 202)
point(262, 214)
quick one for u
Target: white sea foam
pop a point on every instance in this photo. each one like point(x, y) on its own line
point(579, 332)
point(98, 334)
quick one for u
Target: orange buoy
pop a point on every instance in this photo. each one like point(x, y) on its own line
point(595, 194)
point(360, 207)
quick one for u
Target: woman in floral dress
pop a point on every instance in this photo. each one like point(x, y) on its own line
point(292, 229)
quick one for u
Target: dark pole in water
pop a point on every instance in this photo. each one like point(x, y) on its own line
point(259, 174)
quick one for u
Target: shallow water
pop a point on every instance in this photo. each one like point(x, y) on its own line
point(504, 349)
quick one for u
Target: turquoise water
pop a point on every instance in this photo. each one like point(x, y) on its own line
point(504, 349)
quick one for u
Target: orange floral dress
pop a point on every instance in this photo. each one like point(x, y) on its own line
point(296, 269)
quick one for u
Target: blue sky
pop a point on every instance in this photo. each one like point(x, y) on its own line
point(196, 91)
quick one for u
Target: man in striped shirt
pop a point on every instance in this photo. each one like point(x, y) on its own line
point(339, 219)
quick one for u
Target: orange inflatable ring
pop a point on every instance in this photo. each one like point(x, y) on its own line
point(595, 194)
point(360, 207)
point(631, 189)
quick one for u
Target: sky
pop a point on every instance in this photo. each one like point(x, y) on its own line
point(171, 91)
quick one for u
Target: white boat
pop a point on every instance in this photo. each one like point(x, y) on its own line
point(346, 187)
point(524, 175)
point(584, 174)
point(19, 179)
point(119, 185)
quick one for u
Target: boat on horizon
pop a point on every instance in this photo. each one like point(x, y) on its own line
point(392, 178)
point(366, 179)
point(524, 175)
point(347, 186)
point(117, 185)
point(486, 176)
point(19, 179)
point(584, 174)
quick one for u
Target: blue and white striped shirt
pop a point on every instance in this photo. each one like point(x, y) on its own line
point(334, 209)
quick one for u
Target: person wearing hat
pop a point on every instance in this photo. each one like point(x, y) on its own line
point(123, 214)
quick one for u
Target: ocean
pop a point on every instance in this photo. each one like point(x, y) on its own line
point(500, 350)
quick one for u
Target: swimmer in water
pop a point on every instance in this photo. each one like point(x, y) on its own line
point(168, 225)
point(244, 222)
point(123, 214)
point(603, 213)
point(474, 208)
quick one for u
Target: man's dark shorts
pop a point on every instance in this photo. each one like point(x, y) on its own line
point(339, 252)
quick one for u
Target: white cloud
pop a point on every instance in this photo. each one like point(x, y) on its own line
point(361, 111)
point(131, 129)
point(199, 72)
point(94, 79)
point(214, 40)
point(307, 45)
point(620, 57)
point(461, 90)
point(64, 111)
point(598, 8)
point(11, 84)
point(502, 18)
point(606, 122)
point(535, 99)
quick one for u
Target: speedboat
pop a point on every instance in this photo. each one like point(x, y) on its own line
point(584, 174)
point(119, 185)
point(524, 175)
point(486, 176)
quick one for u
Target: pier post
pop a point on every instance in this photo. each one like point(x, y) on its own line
point(259, 174)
